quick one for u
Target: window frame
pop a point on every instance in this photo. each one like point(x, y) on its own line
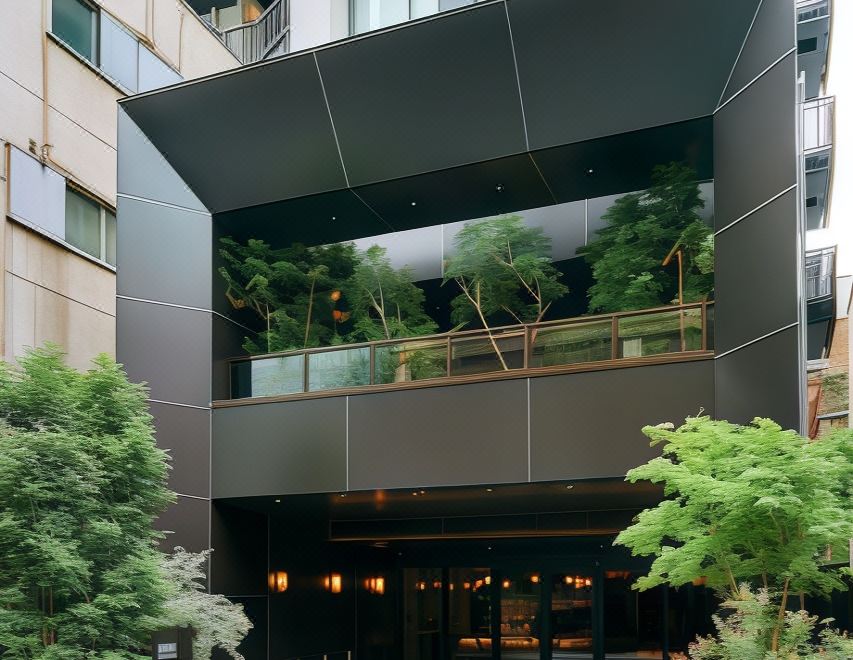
point(95, 13)
point(100, 258)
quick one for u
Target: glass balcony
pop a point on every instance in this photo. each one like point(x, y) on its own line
point(820, 266)
point(554, 346)
point(818, 122)
point(367, 15)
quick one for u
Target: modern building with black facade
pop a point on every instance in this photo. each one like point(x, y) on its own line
point(469, 514)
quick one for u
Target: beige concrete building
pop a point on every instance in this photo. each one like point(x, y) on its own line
point(63, 66)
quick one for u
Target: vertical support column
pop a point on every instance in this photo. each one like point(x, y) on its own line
point(758, 235)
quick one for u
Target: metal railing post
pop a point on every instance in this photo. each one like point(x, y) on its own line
point(704, 325)
point(527, 346)
point(372, 364)
point(305, 380)
point(449, 355)
point(614, 337)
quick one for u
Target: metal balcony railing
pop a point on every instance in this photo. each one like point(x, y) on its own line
point(473, 355)
point(267, 34)
point(818, 121)
point(820, 268)
point(808, 10)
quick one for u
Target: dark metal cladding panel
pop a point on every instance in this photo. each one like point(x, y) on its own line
point(621, 163)
point(589, 69)
point(257, 136)
point(143, 172)
point(442, 436)
point(474, 191)
point(185, 433)
point(168, 348)
point(755, 144)
point(755, 277)
point(315, 220)
point(280, 448)
point(425, 97)
point(164, 254)
point(588, 425)
point(761, 380)
point(772, 35)
point(186, 523)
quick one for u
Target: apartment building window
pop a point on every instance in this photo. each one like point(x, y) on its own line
point(106, 43)
point(90, 227)
point(76, 23)
point(807, 45)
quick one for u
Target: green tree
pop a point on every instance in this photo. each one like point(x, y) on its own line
point(626, 257)
point(502, 267)
point(745, 504)
point(216, 621)
point(747, 631)
point(81, 481)
point(290, 289)
point(385, 303)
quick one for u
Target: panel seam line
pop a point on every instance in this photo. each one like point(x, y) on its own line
point(754, 80)
point(757, 339)
point(331, 119)
point(517, 77)
point(182, 405)
point(740, 52)
point(137, 198)
point(188, 307)
point(756, 209)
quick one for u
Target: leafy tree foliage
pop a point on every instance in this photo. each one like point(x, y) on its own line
point(293, 290)
point(747, 632)
point(81, 481)
point(502, 268)
point(641, 230)
point(746, 504)
point(216, 621)
point(385, 304)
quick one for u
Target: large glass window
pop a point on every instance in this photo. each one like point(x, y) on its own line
point(90, 227)
point(520, 616)
point(76, 23)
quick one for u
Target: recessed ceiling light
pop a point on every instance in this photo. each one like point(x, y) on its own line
point(278, 501)
point(569, 487)
point(414, 203)
point(334, 217)
point(342, 495)
point(489, 490)
point(590, 172)
point(415, 493)
point(500, 188)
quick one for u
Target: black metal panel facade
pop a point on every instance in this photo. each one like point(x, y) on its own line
point(163, 270)
point(761, 380)
point(146, 173)
point(772, 35)
point(185, 433)
point(186, 524)
point(756, 276)
point(427, 97)
point(443, 436)
point(279, 144)
point(589, 69)
point(280, 448)
point(166, 347)
point(588, 425)
point(755, 144)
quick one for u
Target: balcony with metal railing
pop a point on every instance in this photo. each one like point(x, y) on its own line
point(266, 36)
point(818, 122)
point(583, 343)
point(820, 267)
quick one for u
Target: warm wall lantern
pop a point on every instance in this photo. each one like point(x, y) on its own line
point(333, 583)
point(278, 581)
point(535, 578)
point(375, 585)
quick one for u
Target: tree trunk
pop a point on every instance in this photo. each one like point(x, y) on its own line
point(780, 620)
point(310, 308)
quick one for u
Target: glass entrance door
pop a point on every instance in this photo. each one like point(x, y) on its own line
point(422, 594)
point(469, 613)
point(571, 615)
point(520, 623)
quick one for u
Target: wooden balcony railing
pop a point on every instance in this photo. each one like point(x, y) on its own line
point(568, 344)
